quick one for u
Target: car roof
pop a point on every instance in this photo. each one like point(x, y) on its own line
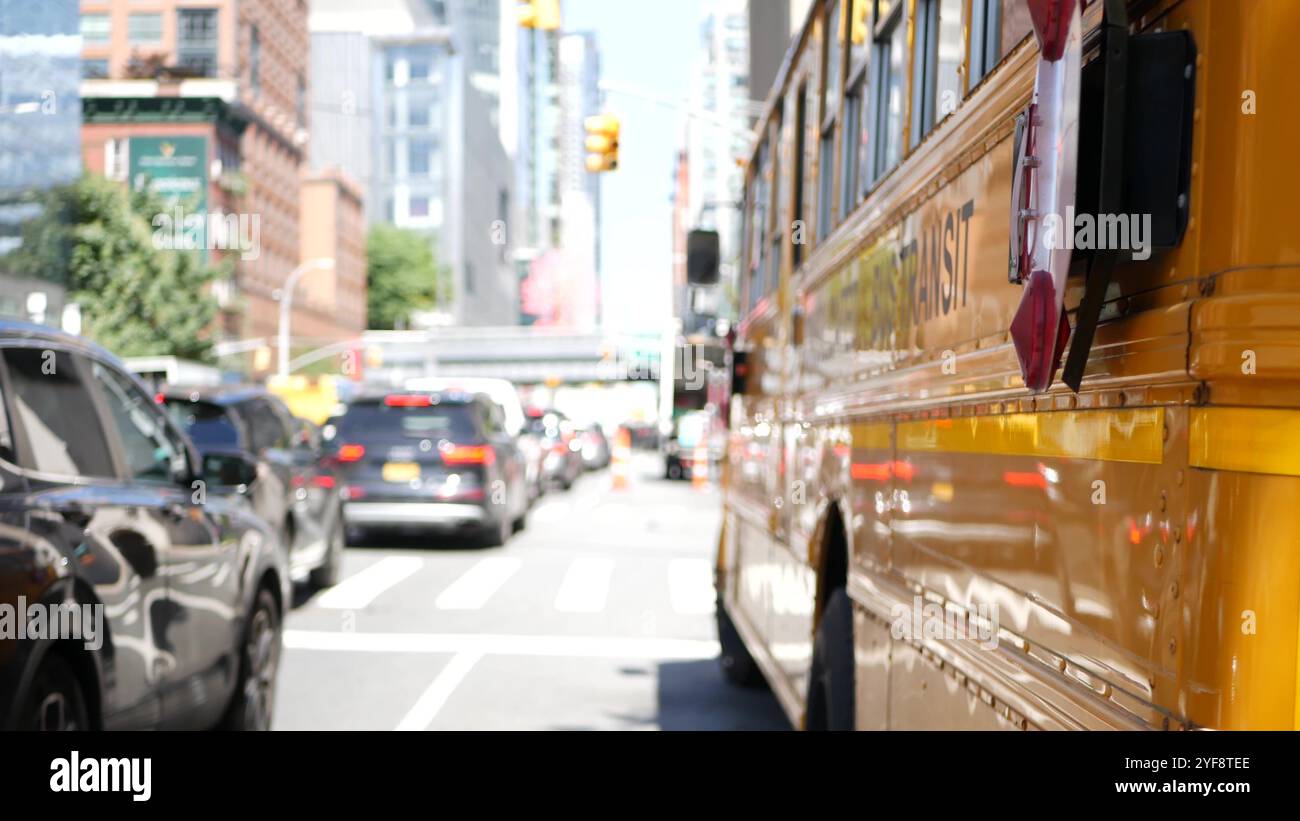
point(20, 330)
point(448, 397)
point(224, 395)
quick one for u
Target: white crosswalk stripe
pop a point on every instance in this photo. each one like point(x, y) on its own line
point(355, 592)
point(690, 586)
point(473, 589)
point(585, 587)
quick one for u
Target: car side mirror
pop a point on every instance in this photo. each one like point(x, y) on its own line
point(702, 257)
point(230, 469)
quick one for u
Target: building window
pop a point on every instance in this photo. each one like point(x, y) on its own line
point(196, 41)
point(95, 28)
point(115, 158)
point(419, 207)
point(935, 71)
point(419, 158)
point(144, 28)
point(889, 90)
point(94, 69)
point(254, 58)
point(985, 26)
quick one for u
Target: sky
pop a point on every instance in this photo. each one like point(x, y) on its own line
point(650, 46)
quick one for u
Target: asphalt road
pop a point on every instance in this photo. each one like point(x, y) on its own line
point(598, 616)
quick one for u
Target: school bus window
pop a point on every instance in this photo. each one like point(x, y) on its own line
point(797, 236)
point(758, 201)
point(832, 69)
point(859, 27)
point(985, 38)
point(936, 70)
point(888, 90)
point(852, 142)
point(778, 188)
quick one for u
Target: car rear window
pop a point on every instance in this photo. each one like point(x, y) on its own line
point(369, 421)
point(208, 424)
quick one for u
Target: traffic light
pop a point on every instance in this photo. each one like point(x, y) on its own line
point(602, 143)
point(539, 14)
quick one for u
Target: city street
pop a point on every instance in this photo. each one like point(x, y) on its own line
point(598, 616)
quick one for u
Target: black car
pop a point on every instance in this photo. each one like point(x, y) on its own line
point(562, 448)
point(146, 601)
point(295, 493)
point(440, 461)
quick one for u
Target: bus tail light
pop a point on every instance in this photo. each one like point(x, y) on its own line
point(1043, 189)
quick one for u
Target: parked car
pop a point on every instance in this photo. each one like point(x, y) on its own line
point(296, 493)
point(562, 463)
point(595, 447)
point(440, 461)
point(104, 516)
point(502, 392)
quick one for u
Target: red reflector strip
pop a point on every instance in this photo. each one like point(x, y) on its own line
point(1028, 478)
point(406, 401)
point(469, 455)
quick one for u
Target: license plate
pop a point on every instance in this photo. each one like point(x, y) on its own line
point(401, 471)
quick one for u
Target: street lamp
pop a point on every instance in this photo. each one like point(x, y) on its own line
point(286, 305)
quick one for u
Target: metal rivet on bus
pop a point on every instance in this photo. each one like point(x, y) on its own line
point(1164, 501)
point(1173, 590)
point(1187, 71)
point(1182, 200)
point(1173, 648)
point(1121, 399)
point(1178, 478)
point(1159, 555)
point(1178, 534)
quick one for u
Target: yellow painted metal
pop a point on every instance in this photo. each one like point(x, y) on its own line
point(1253, 440)
point(1130, 435)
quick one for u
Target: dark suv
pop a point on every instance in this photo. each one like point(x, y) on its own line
point(294, 492)
point(147, 600)
point(429, 461)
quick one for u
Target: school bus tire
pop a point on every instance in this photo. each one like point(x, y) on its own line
point(738, 666)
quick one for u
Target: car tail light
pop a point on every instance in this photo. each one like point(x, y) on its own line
point(323, 482)
point(159, 398)
point(469, 455)
point(407, 401)
point(1043, 192)
point(351, 453)
point(353, 492)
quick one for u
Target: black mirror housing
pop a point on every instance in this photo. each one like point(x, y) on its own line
point(702, 257)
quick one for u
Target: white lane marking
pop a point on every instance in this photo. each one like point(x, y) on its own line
point(585, 586)
point(426, 708)
point(476, 585)
point(606, 647)
point(355, 592)
point(690, 586)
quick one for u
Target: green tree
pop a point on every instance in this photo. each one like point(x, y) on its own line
point(136, 299)
point(402, 276)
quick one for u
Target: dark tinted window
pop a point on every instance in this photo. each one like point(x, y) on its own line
point(209, 425)
point(7, 451)
point(147, 445)
point(55, 409)
point(373, 420)
point(265, 427)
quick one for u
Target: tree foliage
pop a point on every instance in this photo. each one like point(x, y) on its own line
point(402, 276)
point(97, 239)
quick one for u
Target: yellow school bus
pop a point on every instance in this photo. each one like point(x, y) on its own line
point(925, 524)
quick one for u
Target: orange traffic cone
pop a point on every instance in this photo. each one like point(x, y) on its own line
point(620, 458)
point(700, 468)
